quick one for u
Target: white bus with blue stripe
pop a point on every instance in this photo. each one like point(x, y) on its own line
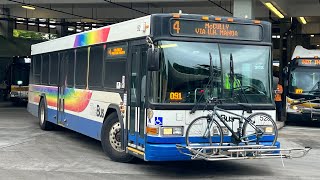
point(108, 85)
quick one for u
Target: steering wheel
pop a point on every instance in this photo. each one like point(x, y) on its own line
point(251, 89)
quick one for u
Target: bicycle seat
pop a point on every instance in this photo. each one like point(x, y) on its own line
point(246, 107)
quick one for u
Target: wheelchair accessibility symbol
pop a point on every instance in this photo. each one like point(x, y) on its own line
point(158, 121)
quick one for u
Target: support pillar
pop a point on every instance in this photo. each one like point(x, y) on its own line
point(243, 8)
point(62, 29)
point(6, 23)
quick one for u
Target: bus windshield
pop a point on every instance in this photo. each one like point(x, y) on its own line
point(304, 81)
point(186, 66)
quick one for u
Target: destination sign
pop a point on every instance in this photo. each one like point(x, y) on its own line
point(117, 51)
point(309, 62)
point(207, 29)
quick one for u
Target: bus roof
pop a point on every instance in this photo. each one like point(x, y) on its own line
point(300, 52)
point(116, 32)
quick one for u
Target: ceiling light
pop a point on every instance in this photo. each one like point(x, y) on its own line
point(303, 20)
point(86, 27)
point(274, 9)
point(78, 30)
point(274, 36)
point(42, 20)
point(318, 45)
point(311, 35)
point(32, 24)
point(42, 25)
point(52, 26)
point(28, 7)
point(278, 36)
point(70, 29)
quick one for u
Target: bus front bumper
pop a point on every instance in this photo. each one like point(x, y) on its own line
point(169, 152)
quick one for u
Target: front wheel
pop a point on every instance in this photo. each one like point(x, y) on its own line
point(261, 127)
point(204, 131)
point(111, 140)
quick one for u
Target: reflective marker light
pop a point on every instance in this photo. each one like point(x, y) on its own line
point(274, 9)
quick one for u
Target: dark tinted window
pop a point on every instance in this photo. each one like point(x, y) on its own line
point(114, 70)
point(45, 69)
point(70, 76)
point(81, 66)
point(36, 68)
point(54, 66)
point(95, 66)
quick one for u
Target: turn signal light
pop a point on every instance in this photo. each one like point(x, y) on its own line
point(152, 130)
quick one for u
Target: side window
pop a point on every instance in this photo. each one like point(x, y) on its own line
point(114, 65)
point(95, 66)
point(45, 69)
point(36, 68)
point(70, 76)
point(54, 65)
point(81, 67)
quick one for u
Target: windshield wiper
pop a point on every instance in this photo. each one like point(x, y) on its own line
point(315, 88)
point(210, 83)
point(237, 82)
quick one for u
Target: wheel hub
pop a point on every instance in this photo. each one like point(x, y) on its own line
point(115, 137)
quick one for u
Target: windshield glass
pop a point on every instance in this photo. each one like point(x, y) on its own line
point(304, 80)
point(185, 73)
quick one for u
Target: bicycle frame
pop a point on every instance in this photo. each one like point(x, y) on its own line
point(234, 134)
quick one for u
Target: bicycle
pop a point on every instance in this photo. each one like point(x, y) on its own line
point(207, 131)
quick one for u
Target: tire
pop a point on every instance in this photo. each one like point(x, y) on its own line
point(111, 140)
point(195, 135)
point(248, 130)
point(43, 116)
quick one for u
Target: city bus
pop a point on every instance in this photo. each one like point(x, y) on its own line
point(17, 79)
point(303, 96)
point(132, 85)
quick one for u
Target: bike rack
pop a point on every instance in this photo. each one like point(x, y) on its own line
point(225, 152)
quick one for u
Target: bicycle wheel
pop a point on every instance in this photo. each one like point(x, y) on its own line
point(265, 123)
point(204, 131)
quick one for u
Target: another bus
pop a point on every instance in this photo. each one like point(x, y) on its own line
point(17, 79)
point(133, 84)
point(303, 97)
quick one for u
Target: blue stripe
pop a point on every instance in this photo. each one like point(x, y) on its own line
point(169, 152)
point(172, 140)
point(79, 124)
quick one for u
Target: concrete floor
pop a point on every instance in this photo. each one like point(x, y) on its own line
point(27, 152)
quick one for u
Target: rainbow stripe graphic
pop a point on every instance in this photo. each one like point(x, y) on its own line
point(75, 99)
point(92, 37)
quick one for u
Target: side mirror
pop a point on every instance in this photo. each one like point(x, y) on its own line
point(153, 58)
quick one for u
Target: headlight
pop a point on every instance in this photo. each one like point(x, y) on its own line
point(172, 131)
point(225, 131)
point(267, 129)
